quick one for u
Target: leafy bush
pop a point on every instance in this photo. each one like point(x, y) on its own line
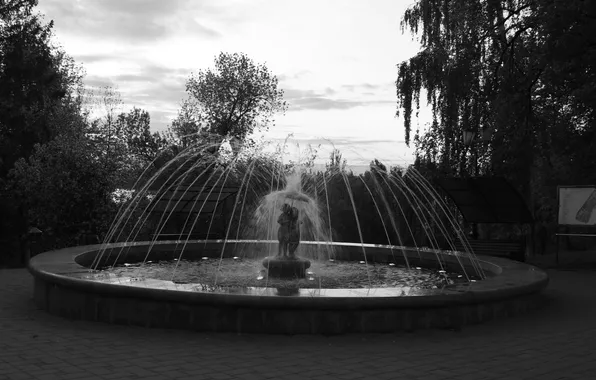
point(65, 189)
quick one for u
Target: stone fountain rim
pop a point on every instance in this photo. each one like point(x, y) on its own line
point(511, 279)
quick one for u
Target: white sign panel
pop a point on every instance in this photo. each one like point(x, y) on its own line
point(577, 206)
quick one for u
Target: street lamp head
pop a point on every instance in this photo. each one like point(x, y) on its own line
point(469, 137)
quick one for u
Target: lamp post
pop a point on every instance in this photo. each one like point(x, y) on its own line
point(470, 140)
point(469, 137)
point(31, 240)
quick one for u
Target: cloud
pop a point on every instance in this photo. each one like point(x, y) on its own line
point(130, 20)
point(154, 88)
point(156, 73)
point(363, 87)
point(321, 103)
point(294, 76)
point(334, 142)
point(161, 119)
point(161, 83)
point(308, 99)
point(96, 81)
point(94, 58)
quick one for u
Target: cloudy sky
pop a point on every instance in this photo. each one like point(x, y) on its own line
point(335, 59)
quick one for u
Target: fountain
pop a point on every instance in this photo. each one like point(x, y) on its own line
point(280, 264)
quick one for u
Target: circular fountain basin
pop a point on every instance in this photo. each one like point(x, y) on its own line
point(65, 286)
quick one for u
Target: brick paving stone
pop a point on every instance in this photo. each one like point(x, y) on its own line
point(553, 343)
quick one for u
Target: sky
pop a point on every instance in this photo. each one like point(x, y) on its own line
point(336, 61)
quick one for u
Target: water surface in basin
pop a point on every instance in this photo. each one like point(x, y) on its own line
point(244, 272)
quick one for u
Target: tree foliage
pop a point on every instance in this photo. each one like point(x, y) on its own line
point(39, 100)
point(336, 164)
point(522, 70)
point(64, 186)
point(122, 140)
point(33, 81)
point(235, 98)
point(186, 128)
point(492, 64)
point(134, 127)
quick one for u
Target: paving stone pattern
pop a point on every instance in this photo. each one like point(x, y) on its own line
point(556, 342)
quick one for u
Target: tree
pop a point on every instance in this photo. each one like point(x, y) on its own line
point(337, 164)
point(32, 81)
point(491, 65)
point(522, 70)
point(186, 127)
point(105, 104)
point(377, 166)
point(134, 127)
point(235, 98)
point(463, 45)
point(63, 186)
point(39, 100)
point(122, 140)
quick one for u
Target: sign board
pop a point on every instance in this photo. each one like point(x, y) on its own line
point(577, 205)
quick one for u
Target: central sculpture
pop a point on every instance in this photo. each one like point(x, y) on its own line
point(286, 264)
point(288, 232)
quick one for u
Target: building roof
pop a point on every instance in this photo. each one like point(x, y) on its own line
point(487, 200)
point(196, 198)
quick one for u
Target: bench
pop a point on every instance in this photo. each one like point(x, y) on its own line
point(512, 249)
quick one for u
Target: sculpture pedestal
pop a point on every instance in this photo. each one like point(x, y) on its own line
point(286, 267)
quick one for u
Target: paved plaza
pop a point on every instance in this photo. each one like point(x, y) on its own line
point(557, 342)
